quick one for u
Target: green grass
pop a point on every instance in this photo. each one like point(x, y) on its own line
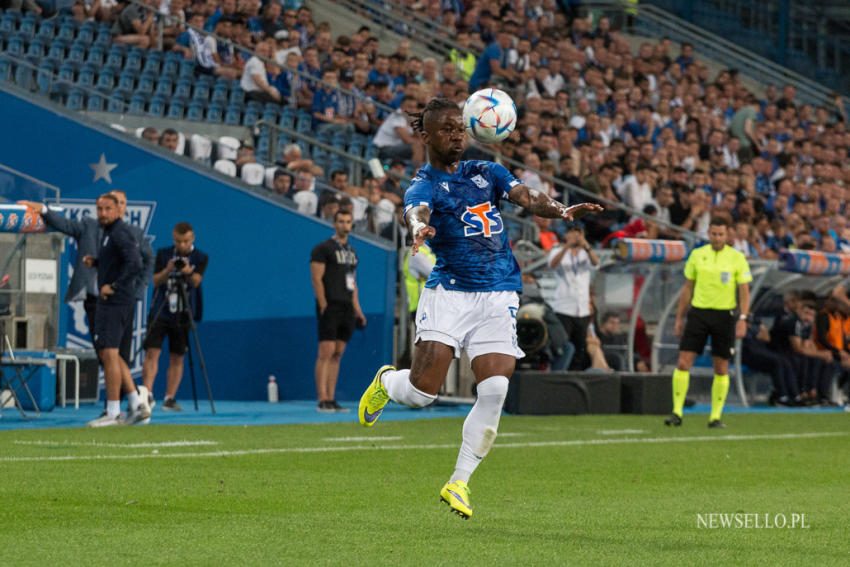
point(617, 504)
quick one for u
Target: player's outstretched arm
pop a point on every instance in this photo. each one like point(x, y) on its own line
point(543, 205)
point(417, 220)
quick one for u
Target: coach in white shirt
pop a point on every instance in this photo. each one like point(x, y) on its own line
point(573, 265)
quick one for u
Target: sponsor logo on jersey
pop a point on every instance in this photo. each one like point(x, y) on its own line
point(445, 185)
point(482, 219)
point(480, 181)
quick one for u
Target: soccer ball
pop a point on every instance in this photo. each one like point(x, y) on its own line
point(489, 115)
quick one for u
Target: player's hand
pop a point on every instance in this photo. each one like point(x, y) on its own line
point(678, 328)
point(106, 291)
point(577, 211)
point(89, 261)
point(740, 329)
point(425, 233)
point(37, 207)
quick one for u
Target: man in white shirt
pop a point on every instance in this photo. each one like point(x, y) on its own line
point(636, 190)
point(254, 80)
point(395, 138)
point(573, 264)
point(304, 196)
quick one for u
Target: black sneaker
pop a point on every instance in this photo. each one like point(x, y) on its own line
point(337, 407)
point(673, 420)
point(170, 404)
point(716, 424)
point(325, 407)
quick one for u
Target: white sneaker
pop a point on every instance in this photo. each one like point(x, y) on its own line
point(105, 421)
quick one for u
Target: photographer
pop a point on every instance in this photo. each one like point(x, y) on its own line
point(178, 271)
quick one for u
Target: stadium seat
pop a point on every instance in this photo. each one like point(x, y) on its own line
point(36, 50)
point(171, 65)
point(201, 93)
point(106, 81)
point(187, 69)
point(251, 115)
point(183, 89)
point(66, 32)
point(56, 51)
point(146, 84)
point(196, 112)
point(96, 56)
point(126, 83)
point(87, 75)
point(214, 113)
point(200, 148)
point(227, 148)
point(25, 77)
point(76, 99)
point(253, 174)
point(9, 24)
point(117, 103)
point(77, 54)
point(176, 110)
point(6, 69)
point(44, 79)
point(86, 33)
point(233, 115)
point(138, 102)
point(263, 147)
point(164, 87)
point(96, 103)
point(181, 144)
point(237, 95)
point(28, 25)
point(226, 167)
point(103, 38)
point(133, 62)
point(46, 30)
point(219, 94)
point(66, 74)
point(152, 64)
point(17, 45)
point(157, 106)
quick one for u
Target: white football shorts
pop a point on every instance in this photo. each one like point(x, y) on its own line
point(481, 322)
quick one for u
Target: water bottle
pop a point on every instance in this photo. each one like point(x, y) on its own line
point(272, 388)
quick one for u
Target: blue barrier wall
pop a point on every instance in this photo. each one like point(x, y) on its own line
point(259, 308)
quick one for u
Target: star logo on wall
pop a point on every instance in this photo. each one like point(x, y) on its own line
point(102, 169)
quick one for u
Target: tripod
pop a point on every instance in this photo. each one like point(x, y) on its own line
point(192, 330)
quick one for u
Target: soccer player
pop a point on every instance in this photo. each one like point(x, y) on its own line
point(470, 299)
point(714, 274)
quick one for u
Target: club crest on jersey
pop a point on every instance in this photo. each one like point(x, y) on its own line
point(482, 219)
point(480, 181)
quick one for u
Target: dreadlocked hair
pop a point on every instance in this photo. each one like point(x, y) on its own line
point(438, 104)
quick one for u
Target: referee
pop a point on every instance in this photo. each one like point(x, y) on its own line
point(713, 273)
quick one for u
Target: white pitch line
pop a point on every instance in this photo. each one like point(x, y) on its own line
point(119, 445)
point(393, 438)
point(577, 442)
point(511, 434)
point(621, 431)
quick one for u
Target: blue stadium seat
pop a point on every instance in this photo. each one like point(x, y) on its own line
point(25, 77)
point(183, 89)
point(106, 81)
point(152, 64)
point(103, 38)
point(146, 84)
point(371, 151)
point(287, 118)
point(250, 116)
point(138, 102)
point(219, 94)
point(263, 147)
point(44, 79)
point(164, 88)
point(28, 25)
point(76, 99)
point(126, 83)
point(176, 109)
point(96, 56)
point(117, 103)
point(77, 54)
point(187, 69)
point(283, 140)
point(6, 69)
point(134, 60)
point(215, 113)
point(96, 103)
point(87, 75)
point(56, 51)
point(36, 51)
point(171, 64)
point(196, 112)
point(157, 106)
point(17, 45)
point(201, 92)
point(66, 32)
point(66, 73)
point(86, 33)
point(233, 115)
point(47, 30)
point(237, 95)
point(9, 24)
point(114, 59)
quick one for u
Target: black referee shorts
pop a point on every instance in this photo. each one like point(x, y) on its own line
point(337, 322)
point(719, 324)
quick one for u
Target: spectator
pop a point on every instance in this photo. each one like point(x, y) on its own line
point(170, 139)
point(304, 196)
point(282, 182)
point(492, 62)
point(254, 80)
point(134, 26)
point(756, 354)
point(545, 237)
point(395, 138)
point(150, 134)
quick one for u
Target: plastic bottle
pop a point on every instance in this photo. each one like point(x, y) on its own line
point(272, 388)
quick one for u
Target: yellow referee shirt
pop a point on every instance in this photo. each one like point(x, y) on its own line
point(716, 276)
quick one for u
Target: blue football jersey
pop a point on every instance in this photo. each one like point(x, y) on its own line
point(471, 245)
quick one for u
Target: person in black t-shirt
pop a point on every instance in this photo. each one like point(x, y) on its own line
point(333, 265)
point(181, 264)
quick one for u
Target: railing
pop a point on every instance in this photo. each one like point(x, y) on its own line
point(638, 18)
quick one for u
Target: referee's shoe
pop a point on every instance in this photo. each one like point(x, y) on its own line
point(675, 419)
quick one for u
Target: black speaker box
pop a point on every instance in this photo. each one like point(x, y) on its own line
point(647, 393)
point(89, 375)
point(572, 393)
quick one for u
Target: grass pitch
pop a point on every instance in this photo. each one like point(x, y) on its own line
point(591, 490)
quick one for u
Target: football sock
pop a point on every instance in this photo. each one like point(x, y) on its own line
point(480, 427)
point(719, 389)
point(401, 391)
point(113, 408)
point(680, 390)
point(133, 400)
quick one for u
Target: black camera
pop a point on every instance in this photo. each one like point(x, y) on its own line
point(179, 263)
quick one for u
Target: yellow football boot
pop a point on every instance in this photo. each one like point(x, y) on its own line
point(374, 399)
point(456, 495)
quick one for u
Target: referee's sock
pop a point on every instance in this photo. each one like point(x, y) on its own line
point(681, 378)
point(719, 389)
